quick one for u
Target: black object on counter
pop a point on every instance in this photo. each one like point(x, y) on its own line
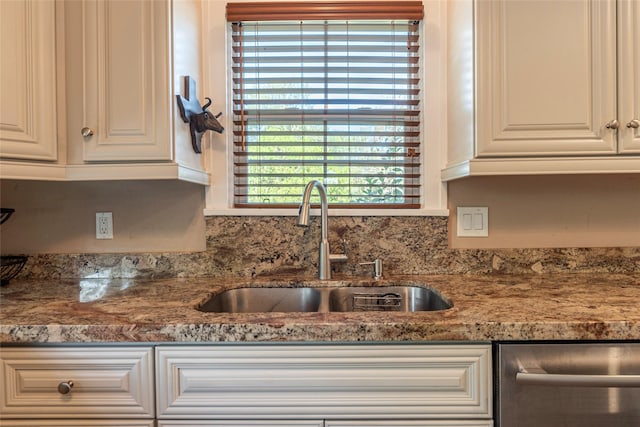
point(5, 213)
point(10, 265)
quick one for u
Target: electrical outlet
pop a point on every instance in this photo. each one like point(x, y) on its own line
point(104, 225)
point(473, 222)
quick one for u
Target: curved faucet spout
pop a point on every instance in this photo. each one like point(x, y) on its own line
point(324, 261)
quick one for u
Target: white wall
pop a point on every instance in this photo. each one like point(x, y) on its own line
point(551, 211)
point(148, 216)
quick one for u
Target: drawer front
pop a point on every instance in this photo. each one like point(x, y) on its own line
point(240, 423)
point(108, 382)
point(408, 423)
point(324, 381)
point(77, 423)
point(328, 423)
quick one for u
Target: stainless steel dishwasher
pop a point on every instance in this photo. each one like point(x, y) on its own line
point(568, 385)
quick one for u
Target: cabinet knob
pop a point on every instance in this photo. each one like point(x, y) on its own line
point(86, 132)
point(635, 124)
point(65, 387)
point(613, 124)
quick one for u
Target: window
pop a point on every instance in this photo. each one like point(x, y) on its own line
point(217, 83)
point(331, 92)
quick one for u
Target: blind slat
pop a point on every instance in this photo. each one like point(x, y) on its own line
point(348, 157)
point(328, 80)
point(284, 62)
point(380, 69)
point(357, 27)
point(382, 113)
point(357, 37)
point(295, 204)
point(334, 175)
point(311, 161)
point(287, 119)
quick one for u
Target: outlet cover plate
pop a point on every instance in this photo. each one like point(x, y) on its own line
point(104, 225)
point(473, 222)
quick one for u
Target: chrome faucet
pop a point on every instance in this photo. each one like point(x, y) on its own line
point(325, 258)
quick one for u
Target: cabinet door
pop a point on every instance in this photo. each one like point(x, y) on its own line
point(546, 77)
point(28, 80)
point(126, 80)
point(629, 75)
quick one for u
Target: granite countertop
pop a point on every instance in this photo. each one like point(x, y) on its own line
point(491, 307)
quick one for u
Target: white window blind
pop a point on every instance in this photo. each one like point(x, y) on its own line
point(337, 101)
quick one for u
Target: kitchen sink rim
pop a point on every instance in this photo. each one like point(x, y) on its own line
point(326, 288)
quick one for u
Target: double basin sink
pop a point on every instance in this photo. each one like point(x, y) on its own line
point(340, 299)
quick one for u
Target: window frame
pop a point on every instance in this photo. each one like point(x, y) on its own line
point(218, 151)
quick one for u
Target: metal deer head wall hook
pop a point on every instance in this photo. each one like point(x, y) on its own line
point(199, 118)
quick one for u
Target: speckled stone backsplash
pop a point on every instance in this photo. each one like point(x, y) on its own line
point(259, 246)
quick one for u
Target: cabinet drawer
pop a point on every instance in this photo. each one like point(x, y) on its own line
point(288, 381)
point(229, 423)
point(327, 423)
point(108, 382)
point(423, 423)
point(76, 423)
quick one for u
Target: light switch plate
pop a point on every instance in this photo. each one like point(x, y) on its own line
point(473, 222)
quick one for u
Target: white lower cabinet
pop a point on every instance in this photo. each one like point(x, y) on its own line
point(76, 386)
point(247, 385)
point(330, 385)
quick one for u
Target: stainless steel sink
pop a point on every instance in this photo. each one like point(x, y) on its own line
point(310, 299)
point(264, 300)
point(389, 298)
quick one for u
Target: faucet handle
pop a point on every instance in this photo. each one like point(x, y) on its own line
point(343, 257)
point(377, 267)
point(344, 247)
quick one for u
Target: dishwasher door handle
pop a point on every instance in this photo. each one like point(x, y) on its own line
point(536, 376)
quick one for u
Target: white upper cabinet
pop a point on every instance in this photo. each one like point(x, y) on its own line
point(28, 80)
point(120, 65)
point(542, 87)
point(128, 59)
point(546, 77)
point(127, 103)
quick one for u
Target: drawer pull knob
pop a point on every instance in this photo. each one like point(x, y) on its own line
point(86, 132)
point(65, 387)
point(634, 124)
point(613, 124)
